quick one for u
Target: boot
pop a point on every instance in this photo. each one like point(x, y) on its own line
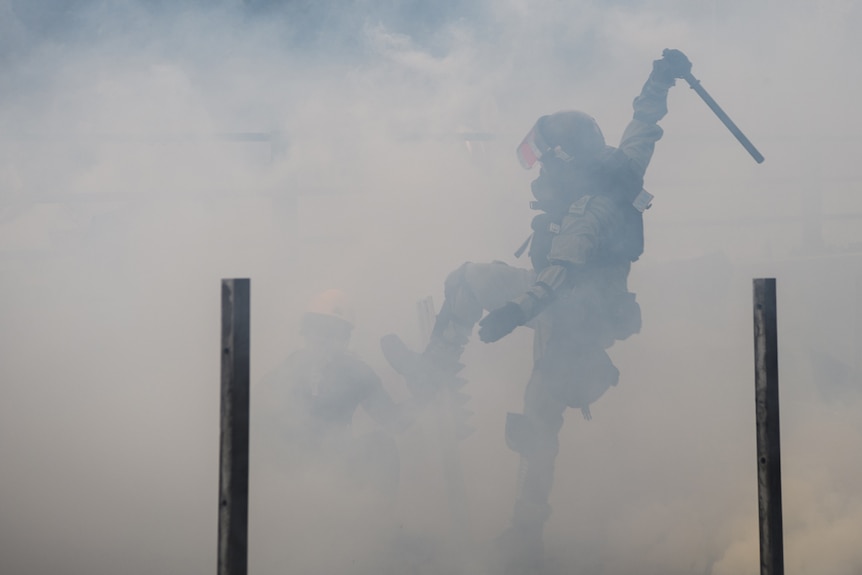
point(428, 372)
point(519, 550)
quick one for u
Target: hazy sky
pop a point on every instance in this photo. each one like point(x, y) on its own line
point(150, 149)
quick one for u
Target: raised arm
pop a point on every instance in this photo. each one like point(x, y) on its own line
point(650, 106)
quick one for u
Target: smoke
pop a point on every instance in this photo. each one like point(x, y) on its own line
point(149, 149)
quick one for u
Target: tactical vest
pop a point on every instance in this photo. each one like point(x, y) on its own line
point(613, 178)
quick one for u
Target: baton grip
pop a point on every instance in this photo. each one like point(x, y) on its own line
point(725, 119)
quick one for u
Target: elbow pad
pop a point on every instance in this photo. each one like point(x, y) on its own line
point(535, 300)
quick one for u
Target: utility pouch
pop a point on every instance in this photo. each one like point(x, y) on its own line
point(545, 227)
point(625, 316)
point(632, 244)
point(580, 377)
point(643, 201)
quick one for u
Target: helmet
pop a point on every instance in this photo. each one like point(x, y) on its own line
point(329, 315)
point(332, 303)
point(568, 135)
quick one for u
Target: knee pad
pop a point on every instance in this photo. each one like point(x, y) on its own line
point(456, 281)
point(463, 306)
point(456, 287)
point(521, 436)
point(580, 378)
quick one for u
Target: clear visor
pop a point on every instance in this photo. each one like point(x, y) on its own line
point(533, 147)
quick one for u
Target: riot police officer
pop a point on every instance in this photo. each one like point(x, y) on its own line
point(588, 230)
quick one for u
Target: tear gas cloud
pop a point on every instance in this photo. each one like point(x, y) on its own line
point(150, 149)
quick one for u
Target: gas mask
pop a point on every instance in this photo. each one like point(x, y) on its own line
point(561, 167)
point(551, 185)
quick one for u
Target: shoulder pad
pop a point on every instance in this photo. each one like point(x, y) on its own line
point(615, 159)
point(580, 205)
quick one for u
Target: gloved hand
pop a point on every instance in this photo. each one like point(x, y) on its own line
point(500, 322)
point(673, 64)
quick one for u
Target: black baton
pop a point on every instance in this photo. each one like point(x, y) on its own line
point(746, 143)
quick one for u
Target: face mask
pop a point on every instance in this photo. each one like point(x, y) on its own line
point(547, 187)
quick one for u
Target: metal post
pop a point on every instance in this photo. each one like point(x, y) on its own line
point(233, 457)
point(857, 326)
point(768, 437)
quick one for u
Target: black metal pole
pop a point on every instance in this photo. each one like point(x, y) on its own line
point(768, 435)
point(857, 325)
point(233, 457)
